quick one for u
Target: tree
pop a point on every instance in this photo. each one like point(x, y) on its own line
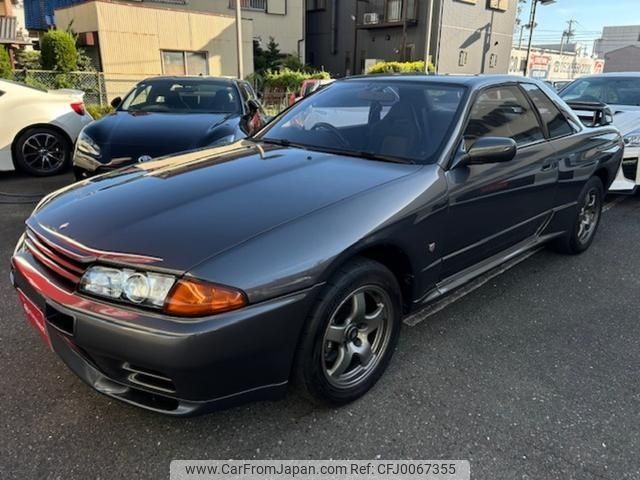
point(59, 51)
point(6, 69)
point(29, 59)
point(268, 59)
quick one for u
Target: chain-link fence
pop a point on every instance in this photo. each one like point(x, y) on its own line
point(91, 83)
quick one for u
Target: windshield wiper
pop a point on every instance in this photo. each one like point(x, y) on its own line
point(361, 154)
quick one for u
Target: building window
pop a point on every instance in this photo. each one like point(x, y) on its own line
point(493, 60)
point(313, 5)
point(250, 4)
point(502, 5)
point(184, 63)
point(462, 58)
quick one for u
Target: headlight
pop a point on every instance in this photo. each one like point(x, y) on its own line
point(87, 146)
point(183, 298)
point(224, 140)
point(148, 289)
point(632, 139)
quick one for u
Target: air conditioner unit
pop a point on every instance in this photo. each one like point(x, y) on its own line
point(371, 18)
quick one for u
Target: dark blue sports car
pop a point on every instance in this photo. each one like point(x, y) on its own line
point(166, 115)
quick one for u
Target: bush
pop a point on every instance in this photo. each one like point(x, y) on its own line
point(290, 80)
point(29, 59)
point(6, 69)
point(400, 67)
point(59, 51)
point(99, 111)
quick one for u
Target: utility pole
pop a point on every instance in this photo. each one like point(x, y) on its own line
point(403, 55)
point(532, 23)
point(427, 46)
point(568, 34)
point(239, 39)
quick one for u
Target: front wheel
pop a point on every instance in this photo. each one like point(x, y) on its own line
point(351, 335)
point(587, 220)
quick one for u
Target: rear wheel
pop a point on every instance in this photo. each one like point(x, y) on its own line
point(42, 151)
point(351, 334)
point(587, 219)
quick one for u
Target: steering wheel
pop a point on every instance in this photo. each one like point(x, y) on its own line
point(332, 129)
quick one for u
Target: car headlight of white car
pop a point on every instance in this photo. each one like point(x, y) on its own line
point(140, 288)
point(86, 145)
point(632, 139)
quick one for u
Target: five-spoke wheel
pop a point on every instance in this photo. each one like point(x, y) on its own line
point(350, 337)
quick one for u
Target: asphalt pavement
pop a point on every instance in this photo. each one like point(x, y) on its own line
point(534, 375)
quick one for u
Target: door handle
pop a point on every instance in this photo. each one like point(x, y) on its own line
point(548, 166)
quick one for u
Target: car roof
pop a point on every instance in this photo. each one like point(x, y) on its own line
point(191, 78)
point(473, 81)
point(613, 75)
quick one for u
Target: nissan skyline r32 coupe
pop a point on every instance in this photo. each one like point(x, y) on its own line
point(194, 282)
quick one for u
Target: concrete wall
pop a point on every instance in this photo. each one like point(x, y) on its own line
point(614, 38)
point(625, 59)
point(283, 20)
point(550, 65)
point(471, 27)
point(131, 38)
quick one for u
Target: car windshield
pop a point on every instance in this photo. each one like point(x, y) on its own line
point(610, 90)
point(183, 96)
point(402, 120)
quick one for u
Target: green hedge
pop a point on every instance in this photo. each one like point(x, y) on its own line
point(58, 51)
point(97, 111)
point(400, 67)
point(5, 64)
point(290, 80)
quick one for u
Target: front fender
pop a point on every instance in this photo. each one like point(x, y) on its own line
point(304, 252)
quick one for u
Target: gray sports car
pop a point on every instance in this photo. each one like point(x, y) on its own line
point(197, 281)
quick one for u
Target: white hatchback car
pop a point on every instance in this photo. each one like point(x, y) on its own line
point(38, 128)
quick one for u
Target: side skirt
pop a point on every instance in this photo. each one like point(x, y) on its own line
point(476, 275)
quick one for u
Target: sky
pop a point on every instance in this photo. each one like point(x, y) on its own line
point(591, 16)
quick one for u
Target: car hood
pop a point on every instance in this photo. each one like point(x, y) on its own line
point(626, 118)
point(129, 135)
point(188, 208)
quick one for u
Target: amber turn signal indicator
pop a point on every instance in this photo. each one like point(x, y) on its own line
point(195, 298)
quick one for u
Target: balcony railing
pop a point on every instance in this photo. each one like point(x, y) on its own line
point(385, 13)
point(250, 4)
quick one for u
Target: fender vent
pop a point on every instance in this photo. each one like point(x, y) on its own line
point(630, 169)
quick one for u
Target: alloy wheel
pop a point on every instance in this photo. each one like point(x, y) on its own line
point(43, 152)
point(357, 336)
point(589, 216)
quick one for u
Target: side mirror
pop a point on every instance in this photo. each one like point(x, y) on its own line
point(115, 103)
point(252, 106)
point(490, 150)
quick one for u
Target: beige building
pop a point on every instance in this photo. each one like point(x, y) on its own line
point(284, 20)
point(551, 65)
point(134, 41)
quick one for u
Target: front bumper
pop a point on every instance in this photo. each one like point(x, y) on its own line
point(628, 176)
point(162, 364)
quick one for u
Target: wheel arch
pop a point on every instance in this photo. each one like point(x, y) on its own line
point(603, 174)
point(389, 254)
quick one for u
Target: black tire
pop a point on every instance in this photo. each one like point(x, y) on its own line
point(576, 241)
point(339, 305)
point(42, 151)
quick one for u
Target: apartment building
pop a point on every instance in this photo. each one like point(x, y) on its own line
point(131, 42)
point(281, 19)
point(12, 32)
point(620, 47)
point(459, 36)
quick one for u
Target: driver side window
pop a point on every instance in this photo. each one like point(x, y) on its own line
point(503, 112)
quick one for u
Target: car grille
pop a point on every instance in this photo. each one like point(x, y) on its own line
point(630, 168)
point(54, 258)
